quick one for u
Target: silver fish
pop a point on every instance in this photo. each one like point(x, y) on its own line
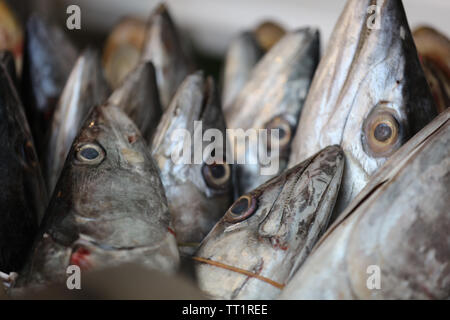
point(48, 60)
point(165, 49)
point(242, 55)
point(108, 207)
point(273, 99)
point(22, 191)
point(198, 194)
point(369, 94)
point(84, 89)
point(138, 98)
point(267, 234)
point(398, 224)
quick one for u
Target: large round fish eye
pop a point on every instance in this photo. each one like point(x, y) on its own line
point(89, 153)
point(241, 209)
point(382, 133)
point(284, 131)
point(217, 175)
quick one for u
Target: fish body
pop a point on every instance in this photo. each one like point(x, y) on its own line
point(22, 198)
point(396, 229)
point(198, 193)
point(164, 48)
point(108, 206)
point(138, 97)
point(48, 60)
point(369, 94)
point(242, 55)
point(123, 49)
point(273, 98)
point(84, 89)
point(434, 52)
point(266, 234)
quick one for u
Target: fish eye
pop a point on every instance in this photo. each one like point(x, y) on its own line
point(217, 175)
point(382, 133)
point(241, 209)
point(284, 131)
point(89, 153)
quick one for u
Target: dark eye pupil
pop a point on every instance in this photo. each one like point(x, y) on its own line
point(382, 132)
point(240, 206)
point(217, 171)
point(89, 153)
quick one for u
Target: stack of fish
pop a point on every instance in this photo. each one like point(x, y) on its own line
point(363, 159)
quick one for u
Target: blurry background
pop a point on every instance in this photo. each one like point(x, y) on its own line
point(212, 23)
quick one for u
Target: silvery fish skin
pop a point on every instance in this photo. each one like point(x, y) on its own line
point(138, 97)
point(122, 50)
point(48, 60)
point(84, 89)
point(399, 224)
point(271, 230)
point(22, 197)
point(198, 194)
point(165, 49)
point(273, 99)
point(242, 55)
point(434, 52)
point(108, 207)
point(369, 94)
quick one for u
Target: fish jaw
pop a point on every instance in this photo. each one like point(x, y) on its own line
point(195, 204)
point(242, 55)
point(138, 97)
point(291, 212)
point(398, 222)
point(84, 89)
point(115, 206)
point(48, 60)
point(274, 96)
point(365, 75)
point(164, 48)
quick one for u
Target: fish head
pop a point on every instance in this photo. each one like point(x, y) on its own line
point(138, 97)
point(271, 102)
point(163, 46)
point(84, 89)
point(23, 198)
point(109, 170)
point(198, 186)
point(108, 206)
point(123, 48)
point(369, 93)
point(270, 230)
